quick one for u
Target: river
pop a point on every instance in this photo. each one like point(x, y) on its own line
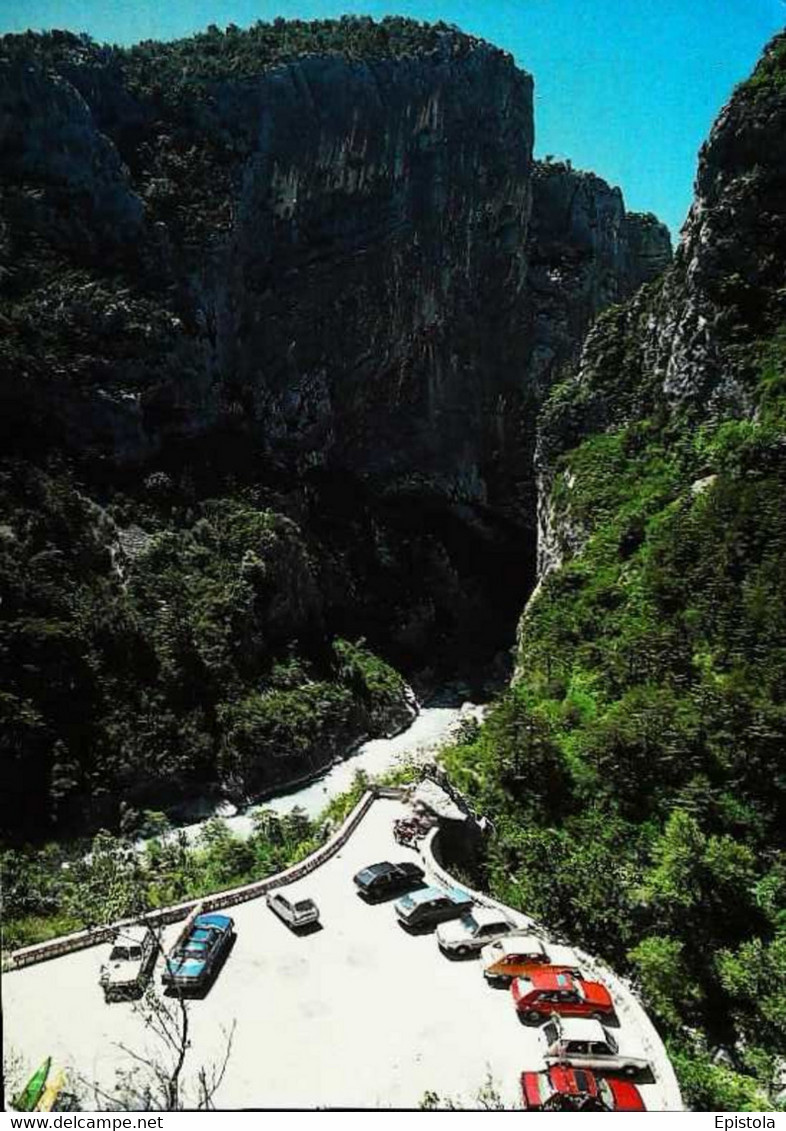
point(433, 727)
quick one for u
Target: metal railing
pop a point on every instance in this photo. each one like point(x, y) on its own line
point(161, 917)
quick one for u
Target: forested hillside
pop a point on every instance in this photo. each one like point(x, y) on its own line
point(636, 769)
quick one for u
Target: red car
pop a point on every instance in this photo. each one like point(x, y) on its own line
point(561, 1088)
point(553, 990)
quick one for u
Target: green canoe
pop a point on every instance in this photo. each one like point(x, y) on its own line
point(31, 1093)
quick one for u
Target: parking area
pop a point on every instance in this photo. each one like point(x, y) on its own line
point(357, 1014)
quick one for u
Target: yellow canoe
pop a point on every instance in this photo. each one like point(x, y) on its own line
point(51, 1092)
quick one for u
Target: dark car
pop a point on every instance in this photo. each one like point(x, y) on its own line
point(193, 960)
point(378, 880)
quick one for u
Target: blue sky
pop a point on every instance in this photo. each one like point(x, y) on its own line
point(628, 88)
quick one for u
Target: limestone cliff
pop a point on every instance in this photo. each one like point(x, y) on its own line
point(687, 352)
point(585, 254)
point(339, 270)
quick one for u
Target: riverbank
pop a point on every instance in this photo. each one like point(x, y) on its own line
point(432, 728)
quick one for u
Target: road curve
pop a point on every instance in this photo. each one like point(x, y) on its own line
point(359, 1014)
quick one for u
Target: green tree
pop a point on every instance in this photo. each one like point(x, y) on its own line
point(666, 982)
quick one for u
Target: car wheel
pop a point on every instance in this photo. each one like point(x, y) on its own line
point(533, 1016)
point(463, 951)
point(630, 1070)
point(598, 1016)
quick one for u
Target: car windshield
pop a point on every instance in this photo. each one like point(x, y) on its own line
point(119, 954)
point(135, 952)
point(470, 922)
point(304, 905)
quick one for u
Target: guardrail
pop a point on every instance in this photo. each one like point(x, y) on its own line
point(435, 866)
point(627, 1004)
point(81, 940)
point(625, 998)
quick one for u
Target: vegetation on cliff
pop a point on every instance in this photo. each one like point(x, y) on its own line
point(65, 887)
point(196, 656)
point(233, 52)
point(635, 770)
point(226, 451)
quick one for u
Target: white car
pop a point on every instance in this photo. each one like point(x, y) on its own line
point(129, 965)
point(584, 1043)
point(475, 928)
point(295, 912)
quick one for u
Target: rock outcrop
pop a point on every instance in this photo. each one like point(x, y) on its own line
point(585, 253)
point(281, 306)
point(651, 652)
point(690, 347)
point(332, 270)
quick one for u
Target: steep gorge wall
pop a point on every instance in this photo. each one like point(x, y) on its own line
point(687, 352)
point(586, 252)
point(278, 310)
point(336, 271)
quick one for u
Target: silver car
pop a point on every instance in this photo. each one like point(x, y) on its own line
point(585, 1043)
point(127, 970)
point(295, 912)
point(475, 928)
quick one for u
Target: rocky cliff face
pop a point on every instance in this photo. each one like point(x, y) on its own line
point(585, 253)
point(333, 270)
point(688, 351)
point(648, 704)
point(279, 309)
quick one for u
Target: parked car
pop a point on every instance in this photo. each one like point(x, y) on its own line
point(561, 1088)
point(475, 928)
point(430, 906)
point(378, 880)
point(547, 989)
point(515, 955)
point(584, 1043)
point(193, 960)
point(295, 912)
point(127, 970)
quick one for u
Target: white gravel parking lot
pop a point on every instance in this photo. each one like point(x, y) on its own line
point(357, 1014)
